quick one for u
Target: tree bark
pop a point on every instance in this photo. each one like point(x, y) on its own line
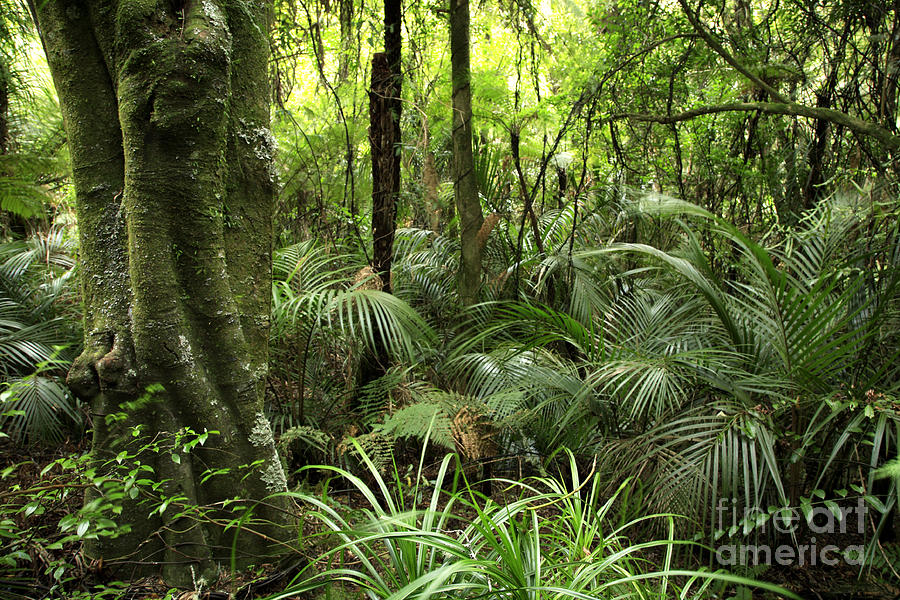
point(888, 109)
point(4, 105)
point(345, 15)
point(465, 189)
point(166, 111)
point(816, 156)
point(384, 141)
point(432, 200)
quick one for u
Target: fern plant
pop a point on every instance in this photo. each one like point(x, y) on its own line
point(33, 159)
point(37, 336)
point(320, 311)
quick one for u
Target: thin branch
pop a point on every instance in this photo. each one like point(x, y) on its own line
point(793, 109)
point(729, 58)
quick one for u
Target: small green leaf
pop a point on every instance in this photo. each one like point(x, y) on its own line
point(875, 503)
point(806, 507)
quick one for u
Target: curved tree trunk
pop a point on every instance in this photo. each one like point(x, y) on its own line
point(166, 110)
point(465, 188)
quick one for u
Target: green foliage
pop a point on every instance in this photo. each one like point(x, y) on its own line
point(320, 315)
point(33, 164)
point(742, 345)
point(37, 337)
point(890, 469)
point(755, 385)
point(47, 553)
point(416, 419)
point(37, 407)
point(549, 539)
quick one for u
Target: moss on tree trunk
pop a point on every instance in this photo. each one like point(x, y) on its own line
point(465, 189)
point(166, 110)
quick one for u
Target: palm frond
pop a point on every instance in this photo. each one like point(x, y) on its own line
point(36, 408)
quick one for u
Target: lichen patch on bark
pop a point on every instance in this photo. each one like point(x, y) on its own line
point(261, 434)
point(272, 475)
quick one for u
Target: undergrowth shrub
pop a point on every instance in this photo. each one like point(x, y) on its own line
point(435, 536)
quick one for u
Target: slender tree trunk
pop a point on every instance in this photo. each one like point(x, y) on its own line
point(7, 219)
point(465, 188)
point(527, 197)
point(4, 106)
point(816, 157)
point(384, 143)
point(430, 183)
point(562, 184)
point(385, 167)
point(166, 112)
point(888, 108)
point(384, 139)
point(346, 19)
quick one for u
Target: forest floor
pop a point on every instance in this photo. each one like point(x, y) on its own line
point(22, 469)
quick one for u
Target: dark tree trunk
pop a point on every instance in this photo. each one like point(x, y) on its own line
point(562, 184)
point(816, 157)
point(384, 143)
point(166, 112)
point(384, 139)
point(892, 69)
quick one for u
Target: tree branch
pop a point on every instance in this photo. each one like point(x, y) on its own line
point(731, 60)
point(885, 137)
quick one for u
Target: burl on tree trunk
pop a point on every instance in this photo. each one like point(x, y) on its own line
point(166, 111)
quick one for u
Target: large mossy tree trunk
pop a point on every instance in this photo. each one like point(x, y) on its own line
point(465, 187)
point(166, 111)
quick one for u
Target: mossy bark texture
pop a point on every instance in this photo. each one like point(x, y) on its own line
point(166, 110)
point(465, 187)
